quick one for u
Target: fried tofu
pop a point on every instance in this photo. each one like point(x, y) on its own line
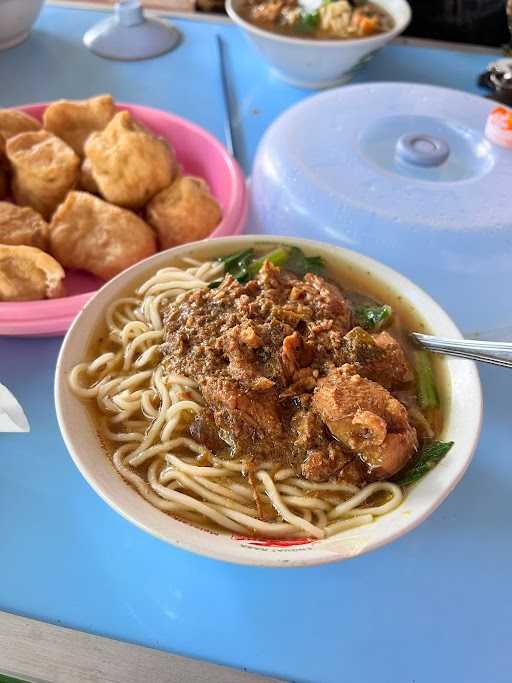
point(74, 120)
point(27, 274)
point(183, 212)
point(21, 225)
point(129, 164)
point(14, 122)
point(44, 170)
point(92, 235)
point(86, 181)
point(4, 180)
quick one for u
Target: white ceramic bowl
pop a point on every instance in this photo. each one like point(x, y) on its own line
point(16, 19)
point(462, 424)
point(309, 63)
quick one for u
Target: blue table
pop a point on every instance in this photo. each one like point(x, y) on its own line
point(433, 606)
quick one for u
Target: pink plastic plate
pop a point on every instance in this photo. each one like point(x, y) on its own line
point(199, 153)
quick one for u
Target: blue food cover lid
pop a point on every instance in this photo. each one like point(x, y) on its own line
point(400, 171)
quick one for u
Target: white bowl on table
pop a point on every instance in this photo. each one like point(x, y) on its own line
point(16, 20)
point(462, 423)
point(310, 63)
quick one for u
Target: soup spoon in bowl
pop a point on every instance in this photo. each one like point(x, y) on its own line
point(494, 352)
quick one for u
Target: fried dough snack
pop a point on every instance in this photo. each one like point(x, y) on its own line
point(4, 180)
point(21, 225)
point(92, 235)
point(129, 164)
point(14, 122)
point(45, 169)
point(183, 212)
point(27, 274)
point(74, 120)
point(86, 181)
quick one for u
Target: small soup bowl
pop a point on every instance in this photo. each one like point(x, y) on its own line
point(16, 20)
point(462, 401)
point(310, 63)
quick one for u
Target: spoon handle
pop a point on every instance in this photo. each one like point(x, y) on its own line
point(497, 353)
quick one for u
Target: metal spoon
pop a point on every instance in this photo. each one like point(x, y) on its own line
point(496, 353)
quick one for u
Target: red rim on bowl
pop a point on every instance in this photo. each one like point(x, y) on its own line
point(200, 153)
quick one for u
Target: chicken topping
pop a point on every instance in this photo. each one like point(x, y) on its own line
point(365, 418)
point(286, 377)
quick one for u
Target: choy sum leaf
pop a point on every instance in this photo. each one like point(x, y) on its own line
point(426, 389)
point(373, 317)
point(431, 454)
point(308, 22)
point(237, 264)
point(244, 265)
point(278, 257)
point(300, 264)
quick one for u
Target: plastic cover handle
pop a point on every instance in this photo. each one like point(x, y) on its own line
point(421, 149)
point(129, 12)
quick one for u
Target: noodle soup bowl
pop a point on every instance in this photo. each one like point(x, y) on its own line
point(461, 397)
point(315, 63)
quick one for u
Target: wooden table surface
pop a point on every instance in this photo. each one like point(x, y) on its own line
point(42, 653)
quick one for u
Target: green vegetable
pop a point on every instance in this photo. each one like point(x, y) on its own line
point(278, 257)
point(372, 318)
point(431, 454)
point(426, 390)
point(243, 265)
point(300, 264)
point(308, 22)
point(237, 264)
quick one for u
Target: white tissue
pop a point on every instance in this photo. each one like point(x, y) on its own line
point(12, 417)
